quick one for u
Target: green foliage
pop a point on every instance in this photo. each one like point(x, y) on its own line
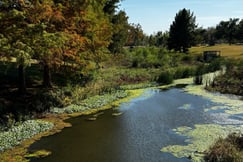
point(181, 35)
point(23, 53)
point(231, 80)
point(215, 65)
point(120, 35)
point(149, 57)
point(92, 103)
point(227, 30)
point(184, 72)
point(159, 39)
point(135, 35)
point(166, 77)
point(25, 130)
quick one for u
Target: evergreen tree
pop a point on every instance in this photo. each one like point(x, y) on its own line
point(181, 34)
point(110, 7)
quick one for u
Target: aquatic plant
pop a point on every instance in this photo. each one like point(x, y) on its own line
point(137, 86)
point(92, 103)
point(26, 130)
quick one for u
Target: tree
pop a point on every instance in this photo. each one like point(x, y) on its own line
point(240, 31)
point(55, 29)
point(44, 35)
point(200, 34)
point(98, 31)
point(210, 38)
point(119, 21)
point(181, 34)
point(135, 35)
point(12, 35)
point(159, 39)
point(227, 30)
point(110, 7)
point(120, 32)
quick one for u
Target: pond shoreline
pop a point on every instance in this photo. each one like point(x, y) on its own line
point(20, 152)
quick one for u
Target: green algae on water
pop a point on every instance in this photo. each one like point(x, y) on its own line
point(230, 105)
point(199, 139)
point(185, 107)
point(38, 154)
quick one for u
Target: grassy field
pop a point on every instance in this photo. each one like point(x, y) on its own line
point(232, 51)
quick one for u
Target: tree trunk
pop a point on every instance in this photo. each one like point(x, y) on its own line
point(47, 77)
point(21, 81)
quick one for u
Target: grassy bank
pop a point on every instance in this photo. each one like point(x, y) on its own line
point(30, 131)
point(230, 51)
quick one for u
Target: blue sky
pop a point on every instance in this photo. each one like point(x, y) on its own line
point(157, 15)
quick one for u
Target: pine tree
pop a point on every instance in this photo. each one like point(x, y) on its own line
point(181, 35)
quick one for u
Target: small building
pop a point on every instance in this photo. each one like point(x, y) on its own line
point(211, 55)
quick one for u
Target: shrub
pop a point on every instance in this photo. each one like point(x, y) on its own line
point(226, 150)
point(184, 72)
point(215, 65)
point(187, 58)
point(166, 77)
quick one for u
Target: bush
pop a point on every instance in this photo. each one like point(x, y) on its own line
point(184, 72)
point(187, 58)
point(166, 77)
point(215, 65)
point(226, 150)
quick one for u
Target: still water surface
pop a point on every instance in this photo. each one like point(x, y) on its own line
point(137, 135)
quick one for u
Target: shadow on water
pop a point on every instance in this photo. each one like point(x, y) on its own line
point(176, 86)
point(137, 133)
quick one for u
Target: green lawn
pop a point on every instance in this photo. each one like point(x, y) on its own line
point(232, 51)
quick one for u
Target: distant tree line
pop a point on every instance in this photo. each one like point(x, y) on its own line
point(184, 33)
